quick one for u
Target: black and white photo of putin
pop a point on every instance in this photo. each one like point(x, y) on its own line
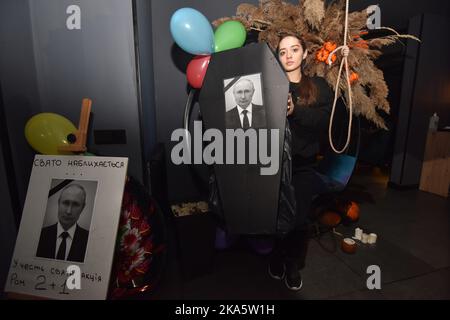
point(245, 114)
point(66, 240)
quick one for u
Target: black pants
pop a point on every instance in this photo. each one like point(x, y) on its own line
point(293, 247)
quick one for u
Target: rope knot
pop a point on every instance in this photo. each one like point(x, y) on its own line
point(345, 50)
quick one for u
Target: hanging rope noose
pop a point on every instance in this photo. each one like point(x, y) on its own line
point(344, 49)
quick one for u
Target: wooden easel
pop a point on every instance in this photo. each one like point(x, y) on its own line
point(78, 139)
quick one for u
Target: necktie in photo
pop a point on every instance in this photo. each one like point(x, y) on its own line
point(61, 255)
point(246, 123)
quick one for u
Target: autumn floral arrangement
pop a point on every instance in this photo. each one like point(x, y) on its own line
point(321, 26)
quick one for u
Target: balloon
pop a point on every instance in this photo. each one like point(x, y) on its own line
point(196, 71)
point(230, 35)
point(192, 31)
point(45, 132)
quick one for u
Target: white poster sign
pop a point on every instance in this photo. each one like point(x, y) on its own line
point(67, 235)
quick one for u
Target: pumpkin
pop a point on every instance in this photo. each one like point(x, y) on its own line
point(354, 77)
point(333, 58)
point(353, 211)
point(330, 46)
point(330, 219)
point(322, 55)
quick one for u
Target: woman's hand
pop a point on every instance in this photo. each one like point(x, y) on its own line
point(290, 106)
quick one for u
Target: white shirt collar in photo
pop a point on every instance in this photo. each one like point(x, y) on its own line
point(249, 114)
point(69, 239)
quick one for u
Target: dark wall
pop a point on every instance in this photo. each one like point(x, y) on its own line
point(397, 13)
point(426, 84)
point(7, 226)
point(44, 67)
point(19, 83)
point(97, 61)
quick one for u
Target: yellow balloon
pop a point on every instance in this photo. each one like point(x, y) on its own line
point(45, 132)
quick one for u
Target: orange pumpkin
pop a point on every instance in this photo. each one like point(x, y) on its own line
point(353, 211)
point(333, 58)
point(330, 46)
point(354, 77)
point(330, 219)
point(322, 55)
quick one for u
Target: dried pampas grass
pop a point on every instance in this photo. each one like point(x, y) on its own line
point(314, 11)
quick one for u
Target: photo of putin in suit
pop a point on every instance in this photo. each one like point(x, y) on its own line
point(245, 114)
point(66, 240)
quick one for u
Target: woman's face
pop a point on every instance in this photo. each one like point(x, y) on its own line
point(290, 53)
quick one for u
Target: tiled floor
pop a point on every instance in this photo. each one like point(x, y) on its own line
point(413, 252)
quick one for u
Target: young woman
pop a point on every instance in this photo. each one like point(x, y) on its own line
point(309, 107)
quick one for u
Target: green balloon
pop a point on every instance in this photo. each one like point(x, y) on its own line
point(230, 35)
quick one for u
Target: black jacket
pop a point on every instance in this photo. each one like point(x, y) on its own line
point(309, 124)
point(303, 133)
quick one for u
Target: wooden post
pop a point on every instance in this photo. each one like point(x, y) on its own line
point(81, 134)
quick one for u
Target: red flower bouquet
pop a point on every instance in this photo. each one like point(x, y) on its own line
point(140, 248)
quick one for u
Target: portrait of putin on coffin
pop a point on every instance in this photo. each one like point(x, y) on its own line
point(66, 240)
point(245, 114)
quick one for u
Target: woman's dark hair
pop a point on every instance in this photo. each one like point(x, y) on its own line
point(306, 92)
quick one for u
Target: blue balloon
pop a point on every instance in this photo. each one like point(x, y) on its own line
point(192, 31)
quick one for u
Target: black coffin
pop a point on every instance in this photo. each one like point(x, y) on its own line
point(249, 199)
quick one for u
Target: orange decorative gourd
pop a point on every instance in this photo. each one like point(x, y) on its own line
point(354, 77)
point(330, 46)
point(330, 219)
point(333, 58)
point(322, 55)
point(353, 211)
point(324, 52)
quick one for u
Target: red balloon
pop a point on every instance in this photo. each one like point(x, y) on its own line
point(196, 71)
